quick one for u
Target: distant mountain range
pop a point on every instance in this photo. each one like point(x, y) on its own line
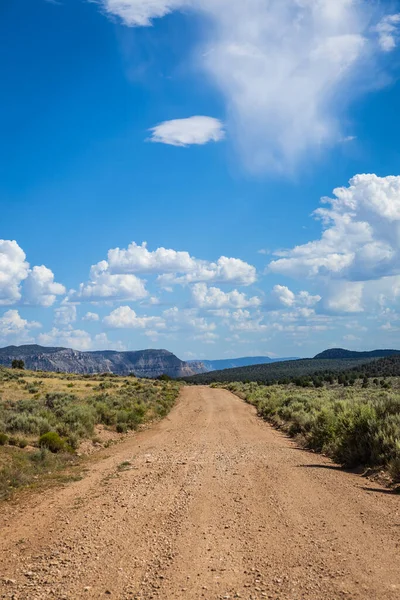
point(232, 363)
point(143, 363)
point(153, 363)
point(335, 360)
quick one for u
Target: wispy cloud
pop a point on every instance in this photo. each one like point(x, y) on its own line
point(287, 68)
point(141, 12)
point(389, 30)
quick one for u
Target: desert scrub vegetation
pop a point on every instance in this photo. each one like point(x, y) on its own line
point(354, 426)
point(46, 413)
point(20, 469)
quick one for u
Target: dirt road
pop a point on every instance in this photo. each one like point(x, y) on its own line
point(213, 504)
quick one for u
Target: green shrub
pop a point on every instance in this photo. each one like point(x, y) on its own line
point(104, 385)
point(81, 418)
point(26, 406)
point(57, 400)
point(42, 456)
point(164, 377)
point(394, 467)
point(121, 428)
point(322, 429)
point(28, 423)
point(105, 414)
point(17, 364)
point(3, 439)
point(357, 430)
point(52, 441)
point(122, 416)
point(136, 416)
point(32, 388)
point(73, 441)
point(24, 468)
point(22, 443)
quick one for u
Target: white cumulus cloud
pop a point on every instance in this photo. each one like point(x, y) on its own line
point(286, 298)
point(361, 235)
point(20, 284)
point(356, 260)
point(14, 329)
point(65, 315)
point(207, 338)
point(91, 316)
point(344, 297)
point(172, 266)
point(225, 270)
point(138, 259)
point(186, 320)
point(186, 132)
point(39, 287)
point(76, 339)
point(214, 298)
point(13, 270)
point(125, 317)
point(244, 321)
point(105, 286)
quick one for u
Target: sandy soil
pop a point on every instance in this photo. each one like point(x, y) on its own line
point(210, 503)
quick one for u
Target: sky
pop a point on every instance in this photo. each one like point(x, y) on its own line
point(215, 177)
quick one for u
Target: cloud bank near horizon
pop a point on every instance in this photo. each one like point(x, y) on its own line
point(346, 278)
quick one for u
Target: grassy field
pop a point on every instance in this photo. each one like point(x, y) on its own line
point(47, 420)
point(356, 427)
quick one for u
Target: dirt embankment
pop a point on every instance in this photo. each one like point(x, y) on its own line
point(211, 503)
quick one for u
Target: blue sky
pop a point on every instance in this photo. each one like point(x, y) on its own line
point(161, 164)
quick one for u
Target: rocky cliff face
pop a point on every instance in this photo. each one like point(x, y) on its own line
point(143, 363)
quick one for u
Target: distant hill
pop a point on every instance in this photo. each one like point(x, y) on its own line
point(143, 363)
point(278, 371)
point(375, 363)
point(335, 353)
point(382, 367)
point(232, 363)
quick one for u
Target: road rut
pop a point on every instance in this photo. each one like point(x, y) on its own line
point(210, 503)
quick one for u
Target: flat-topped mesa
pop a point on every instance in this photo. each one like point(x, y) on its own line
point(142, 363)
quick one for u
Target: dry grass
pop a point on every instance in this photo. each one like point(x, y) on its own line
point(58, 383)
point(85, 413)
